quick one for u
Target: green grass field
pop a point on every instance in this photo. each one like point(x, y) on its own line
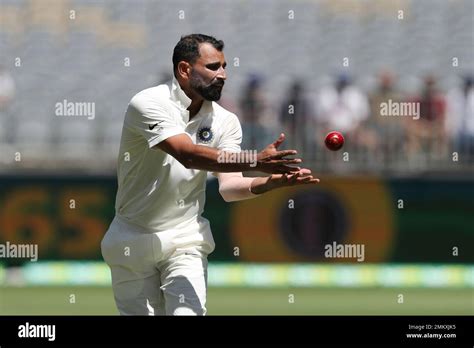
point(252, 301)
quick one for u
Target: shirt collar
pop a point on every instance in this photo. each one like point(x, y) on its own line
point(179, 97)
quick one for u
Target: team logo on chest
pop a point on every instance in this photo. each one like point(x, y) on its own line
point(205, 134)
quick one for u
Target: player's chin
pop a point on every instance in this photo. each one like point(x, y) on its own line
point(213, 97)
point(214, 94)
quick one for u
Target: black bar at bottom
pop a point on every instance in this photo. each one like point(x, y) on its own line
point(222, 330)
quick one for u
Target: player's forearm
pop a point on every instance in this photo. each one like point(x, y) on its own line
point(214, 160)
point(236, 189)
point(239, 188)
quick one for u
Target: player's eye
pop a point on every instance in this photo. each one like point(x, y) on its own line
point(215, 66)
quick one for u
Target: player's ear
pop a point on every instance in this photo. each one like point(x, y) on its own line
point(184, 69)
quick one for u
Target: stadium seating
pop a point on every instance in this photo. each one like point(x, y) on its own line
point(74, 61)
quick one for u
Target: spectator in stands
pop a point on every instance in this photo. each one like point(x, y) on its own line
point(428, 135)
point(253, 107)
point(460, 118)
point(295, 117)
point(342, 108)
point(383, 137)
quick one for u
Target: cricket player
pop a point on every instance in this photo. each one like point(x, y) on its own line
point(173, 135)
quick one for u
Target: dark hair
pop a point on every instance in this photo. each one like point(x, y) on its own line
point(187, 48)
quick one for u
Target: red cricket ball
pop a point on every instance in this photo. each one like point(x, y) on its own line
point(334, 141)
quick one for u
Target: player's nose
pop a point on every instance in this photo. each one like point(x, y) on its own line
point(221, 74)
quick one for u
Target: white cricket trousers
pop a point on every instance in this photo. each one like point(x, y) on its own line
point(160, 273)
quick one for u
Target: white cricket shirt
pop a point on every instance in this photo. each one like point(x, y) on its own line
point(155, 191)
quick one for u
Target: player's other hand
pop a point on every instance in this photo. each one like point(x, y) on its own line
point(301, 177)
point(272, 161)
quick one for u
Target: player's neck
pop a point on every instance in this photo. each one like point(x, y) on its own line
point(195, 107)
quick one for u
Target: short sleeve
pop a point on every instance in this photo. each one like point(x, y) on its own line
point(153, 119)
point(231, 137)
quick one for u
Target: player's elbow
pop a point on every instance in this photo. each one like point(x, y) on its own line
point(181, 148)
point(186, 161)
point(187, 158)
point(190, 162)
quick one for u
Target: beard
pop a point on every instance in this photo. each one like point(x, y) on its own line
point(209, 91)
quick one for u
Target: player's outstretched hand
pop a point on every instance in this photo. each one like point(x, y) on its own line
point(272, 161)
point(302, 177)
